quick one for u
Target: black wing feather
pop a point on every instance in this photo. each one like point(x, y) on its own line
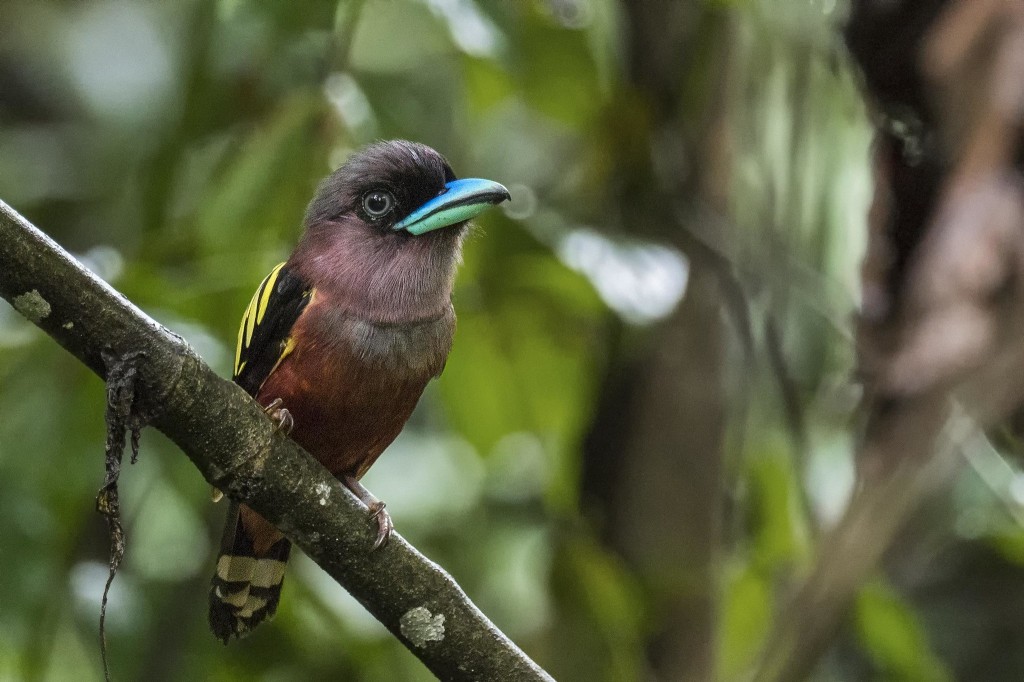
point(263, 338)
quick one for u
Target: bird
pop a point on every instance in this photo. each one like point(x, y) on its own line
point(339, 341)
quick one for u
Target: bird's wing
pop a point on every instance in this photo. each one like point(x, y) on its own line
point(264, 337)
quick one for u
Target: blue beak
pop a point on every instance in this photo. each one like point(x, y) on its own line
point(460, 201)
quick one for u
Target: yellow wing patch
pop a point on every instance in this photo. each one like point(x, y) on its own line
point(254, 315)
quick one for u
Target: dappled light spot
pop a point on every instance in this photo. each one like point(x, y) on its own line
point(642, 282)
point(523, 203)
point(105, 260)
point(126, 611)
point(352, 106)
point(121, 63)
point(470, 29)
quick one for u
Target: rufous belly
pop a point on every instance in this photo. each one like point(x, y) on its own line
point(350, 386)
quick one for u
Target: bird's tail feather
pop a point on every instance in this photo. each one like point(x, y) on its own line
point(247, 584)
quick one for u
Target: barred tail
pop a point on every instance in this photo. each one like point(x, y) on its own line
point(250, 570)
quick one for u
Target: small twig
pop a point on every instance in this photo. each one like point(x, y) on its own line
point(792, 407)
point(347, 35)
point(995, 472)
point(788, 388)
point(339, 47)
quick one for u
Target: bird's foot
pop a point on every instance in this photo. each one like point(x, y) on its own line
point(385, 526)
point(280, 415)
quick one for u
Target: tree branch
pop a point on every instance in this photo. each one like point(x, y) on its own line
point(232, 443)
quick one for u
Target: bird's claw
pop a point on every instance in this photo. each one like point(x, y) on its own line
point(376, 508)
point(280, 414)
point(384, 524)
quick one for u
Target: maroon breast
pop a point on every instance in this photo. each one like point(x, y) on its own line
point(351, 384)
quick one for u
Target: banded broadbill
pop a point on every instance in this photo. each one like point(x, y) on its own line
point(340, 340)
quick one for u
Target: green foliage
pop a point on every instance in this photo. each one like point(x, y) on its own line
point(266, 180)
point(598, 616)
point(746, 616)
point(530, 329)
point(894, 637)
point(556, 72)
point(778, 523)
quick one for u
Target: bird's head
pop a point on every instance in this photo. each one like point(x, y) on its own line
point(384, 230)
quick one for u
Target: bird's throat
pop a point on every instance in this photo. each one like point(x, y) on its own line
point(383, 278)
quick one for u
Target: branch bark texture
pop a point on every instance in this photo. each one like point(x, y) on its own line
point(235, 447)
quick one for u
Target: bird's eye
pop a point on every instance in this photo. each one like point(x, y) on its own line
point(378, 203)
